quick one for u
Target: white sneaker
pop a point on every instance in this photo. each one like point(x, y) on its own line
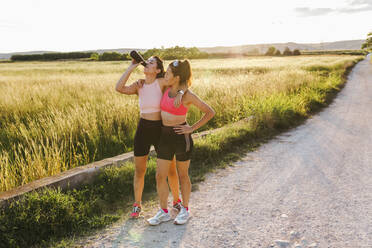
point(160, 217)
point(177, 207)
point(182, 217)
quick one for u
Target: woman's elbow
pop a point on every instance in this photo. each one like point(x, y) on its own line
point(121, 90)
point(117, 87)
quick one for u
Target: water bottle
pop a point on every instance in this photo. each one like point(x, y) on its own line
point(137, 57)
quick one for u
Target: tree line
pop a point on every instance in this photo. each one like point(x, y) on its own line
point(176, 52)
point(272, 51)
point(51, 56)
point(164, 53)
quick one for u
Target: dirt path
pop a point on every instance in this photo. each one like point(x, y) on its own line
point(311, 186)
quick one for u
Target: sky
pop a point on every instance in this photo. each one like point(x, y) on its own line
point(77, 25)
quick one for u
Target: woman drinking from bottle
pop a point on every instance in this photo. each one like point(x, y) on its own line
point(175, 139)
point(149, 127)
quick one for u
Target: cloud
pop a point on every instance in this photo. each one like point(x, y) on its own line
point(355, 6)
point(361, 2)
point(313, 11)
point(356, 10)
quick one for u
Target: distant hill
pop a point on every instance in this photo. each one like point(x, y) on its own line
point(262, 48)
point(119, 50)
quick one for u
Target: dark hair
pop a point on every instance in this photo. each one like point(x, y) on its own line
point(160, 66)
point(183, 70)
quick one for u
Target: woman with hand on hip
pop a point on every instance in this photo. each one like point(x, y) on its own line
point(150, 92)
point(175, 139)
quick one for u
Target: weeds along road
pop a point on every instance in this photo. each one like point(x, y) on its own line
point(310, 187)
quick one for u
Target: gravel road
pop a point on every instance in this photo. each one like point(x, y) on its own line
point(309, 187)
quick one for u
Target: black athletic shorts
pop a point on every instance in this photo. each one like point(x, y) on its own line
point(147, 134)
point(172, 144)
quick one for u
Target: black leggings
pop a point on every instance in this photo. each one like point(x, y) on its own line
point(147, 134)
point(172, 144)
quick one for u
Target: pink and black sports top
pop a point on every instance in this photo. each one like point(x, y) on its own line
point(149, 97)
point(167, 105)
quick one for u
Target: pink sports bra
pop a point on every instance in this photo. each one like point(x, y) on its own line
point(149, 97)
point(166, 105)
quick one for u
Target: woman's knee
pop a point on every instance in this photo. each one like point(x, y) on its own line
point(140, 166)
point(162, 169)
point(140, 170)
point(140, 173)
point(161, 176)
point(184, 177)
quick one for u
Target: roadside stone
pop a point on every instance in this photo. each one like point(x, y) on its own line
point(304, 242)
point(313, 245)
point(294, 235)
point(282, 243)
point(275, 212)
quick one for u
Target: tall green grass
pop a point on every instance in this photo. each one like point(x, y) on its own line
point(58, 115)
point(42, 219)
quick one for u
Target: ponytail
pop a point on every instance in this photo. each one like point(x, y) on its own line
point(183, 70)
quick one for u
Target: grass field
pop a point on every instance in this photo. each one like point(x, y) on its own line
point(58, 115)
point(280, 93)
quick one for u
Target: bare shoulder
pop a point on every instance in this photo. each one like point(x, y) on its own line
point(161, 81)
point(190, 96)
point(190, 93)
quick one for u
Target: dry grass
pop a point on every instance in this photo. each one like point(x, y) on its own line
point(58, 115)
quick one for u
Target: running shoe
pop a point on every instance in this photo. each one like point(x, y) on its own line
point(177, 206)
point(160, 217)
point(182, 217)
point(136, 211)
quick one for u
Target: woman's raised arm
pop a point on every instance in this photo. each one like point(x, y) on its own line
point(120, 85)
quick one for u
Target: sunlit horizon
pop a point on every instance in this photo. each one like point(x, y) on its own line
point(42, 25)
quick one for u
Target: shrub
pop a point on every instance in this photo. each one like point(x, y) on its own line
point(110, 56)
point(176, 53)
point(277, 53)
point(125, 56)
point(368, 43)
point(296, 52)
point(94, 56)
point(287, 52)
point(270, 51)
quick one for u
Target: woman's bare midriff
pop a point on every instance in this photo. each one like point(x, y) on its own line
point(172, 120)
point(156, 116)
